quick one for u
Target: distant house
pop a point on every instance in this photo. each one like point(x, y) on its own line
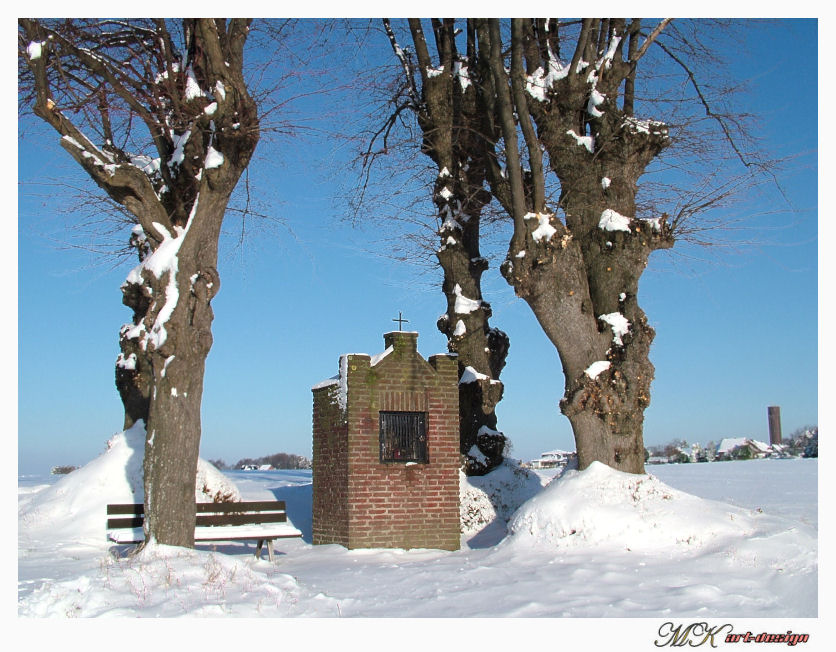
point(265, 467)
point(781, 450)
point(249, 467)
point(553, 459)
point(657, 459)
point(742, 448)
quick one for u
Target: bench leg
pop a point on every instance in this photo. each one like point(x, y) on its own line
point(270, 549)
point(258, 547)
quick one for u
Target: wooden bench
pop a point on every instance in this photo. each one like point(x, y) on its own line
point(242, 521)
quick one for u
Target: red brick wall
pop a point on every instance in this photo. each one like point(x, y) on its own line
point(330, 468)
point(389, 504)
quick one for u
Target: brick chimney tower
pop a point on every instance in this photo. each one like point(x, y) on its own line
point(774, 414)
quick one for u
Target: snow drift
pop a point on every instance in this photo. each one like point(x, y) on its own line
point(602, 506)
point(77, 503)
point(164, 581)
point(495, 495)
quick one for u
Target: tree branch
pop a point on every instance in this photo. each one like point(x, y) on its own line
point(583, 37)
point(421, 51)
point(651, 39)
point(535, 155)
point(493, 46)
point(406, 64)
point(707, 106)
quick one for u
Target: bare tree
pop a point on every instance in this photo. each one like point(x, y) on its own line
point(438, 85)
point(580, 277)
point(546, 114)
point(159, 116)
point(566, 105)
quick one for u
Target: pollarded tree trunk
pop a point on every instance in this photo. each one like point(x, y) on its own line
point(582, 285)
point(607, 411)
point(179, 349)
point(580, 278)
point(203, 126)
point(134, 372)
point(599, 178)
point(447, 110)
point(481, 349)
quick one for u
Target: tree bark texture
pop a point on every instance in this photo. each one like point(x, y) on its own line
point(203, 128)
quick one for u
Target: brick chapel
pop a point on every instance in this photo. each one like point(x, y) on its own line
point(386, 450)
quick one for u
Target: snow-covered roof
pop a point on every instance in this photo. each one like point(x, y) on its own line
point(333, 380)
point(729, 444)
point(375, 359)
point(761, 446)
point(556, 453)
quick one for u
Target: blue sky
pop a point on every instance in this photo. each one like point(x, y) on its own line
point(734, 335)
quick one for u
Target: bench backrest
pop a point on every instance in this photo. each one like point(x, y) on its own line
point(132, 515)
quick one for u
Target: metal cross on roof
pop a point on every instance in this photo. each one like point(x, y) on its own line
point(400, 321)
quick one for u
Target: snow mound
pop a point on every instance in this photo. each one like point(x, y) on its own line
point(212, 486)
point(167, 581)
point(76, 505)
point(602, 506)
point(494, 495)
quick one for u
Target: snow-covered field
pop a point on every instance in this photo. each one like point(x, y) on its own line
point(688, 542)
